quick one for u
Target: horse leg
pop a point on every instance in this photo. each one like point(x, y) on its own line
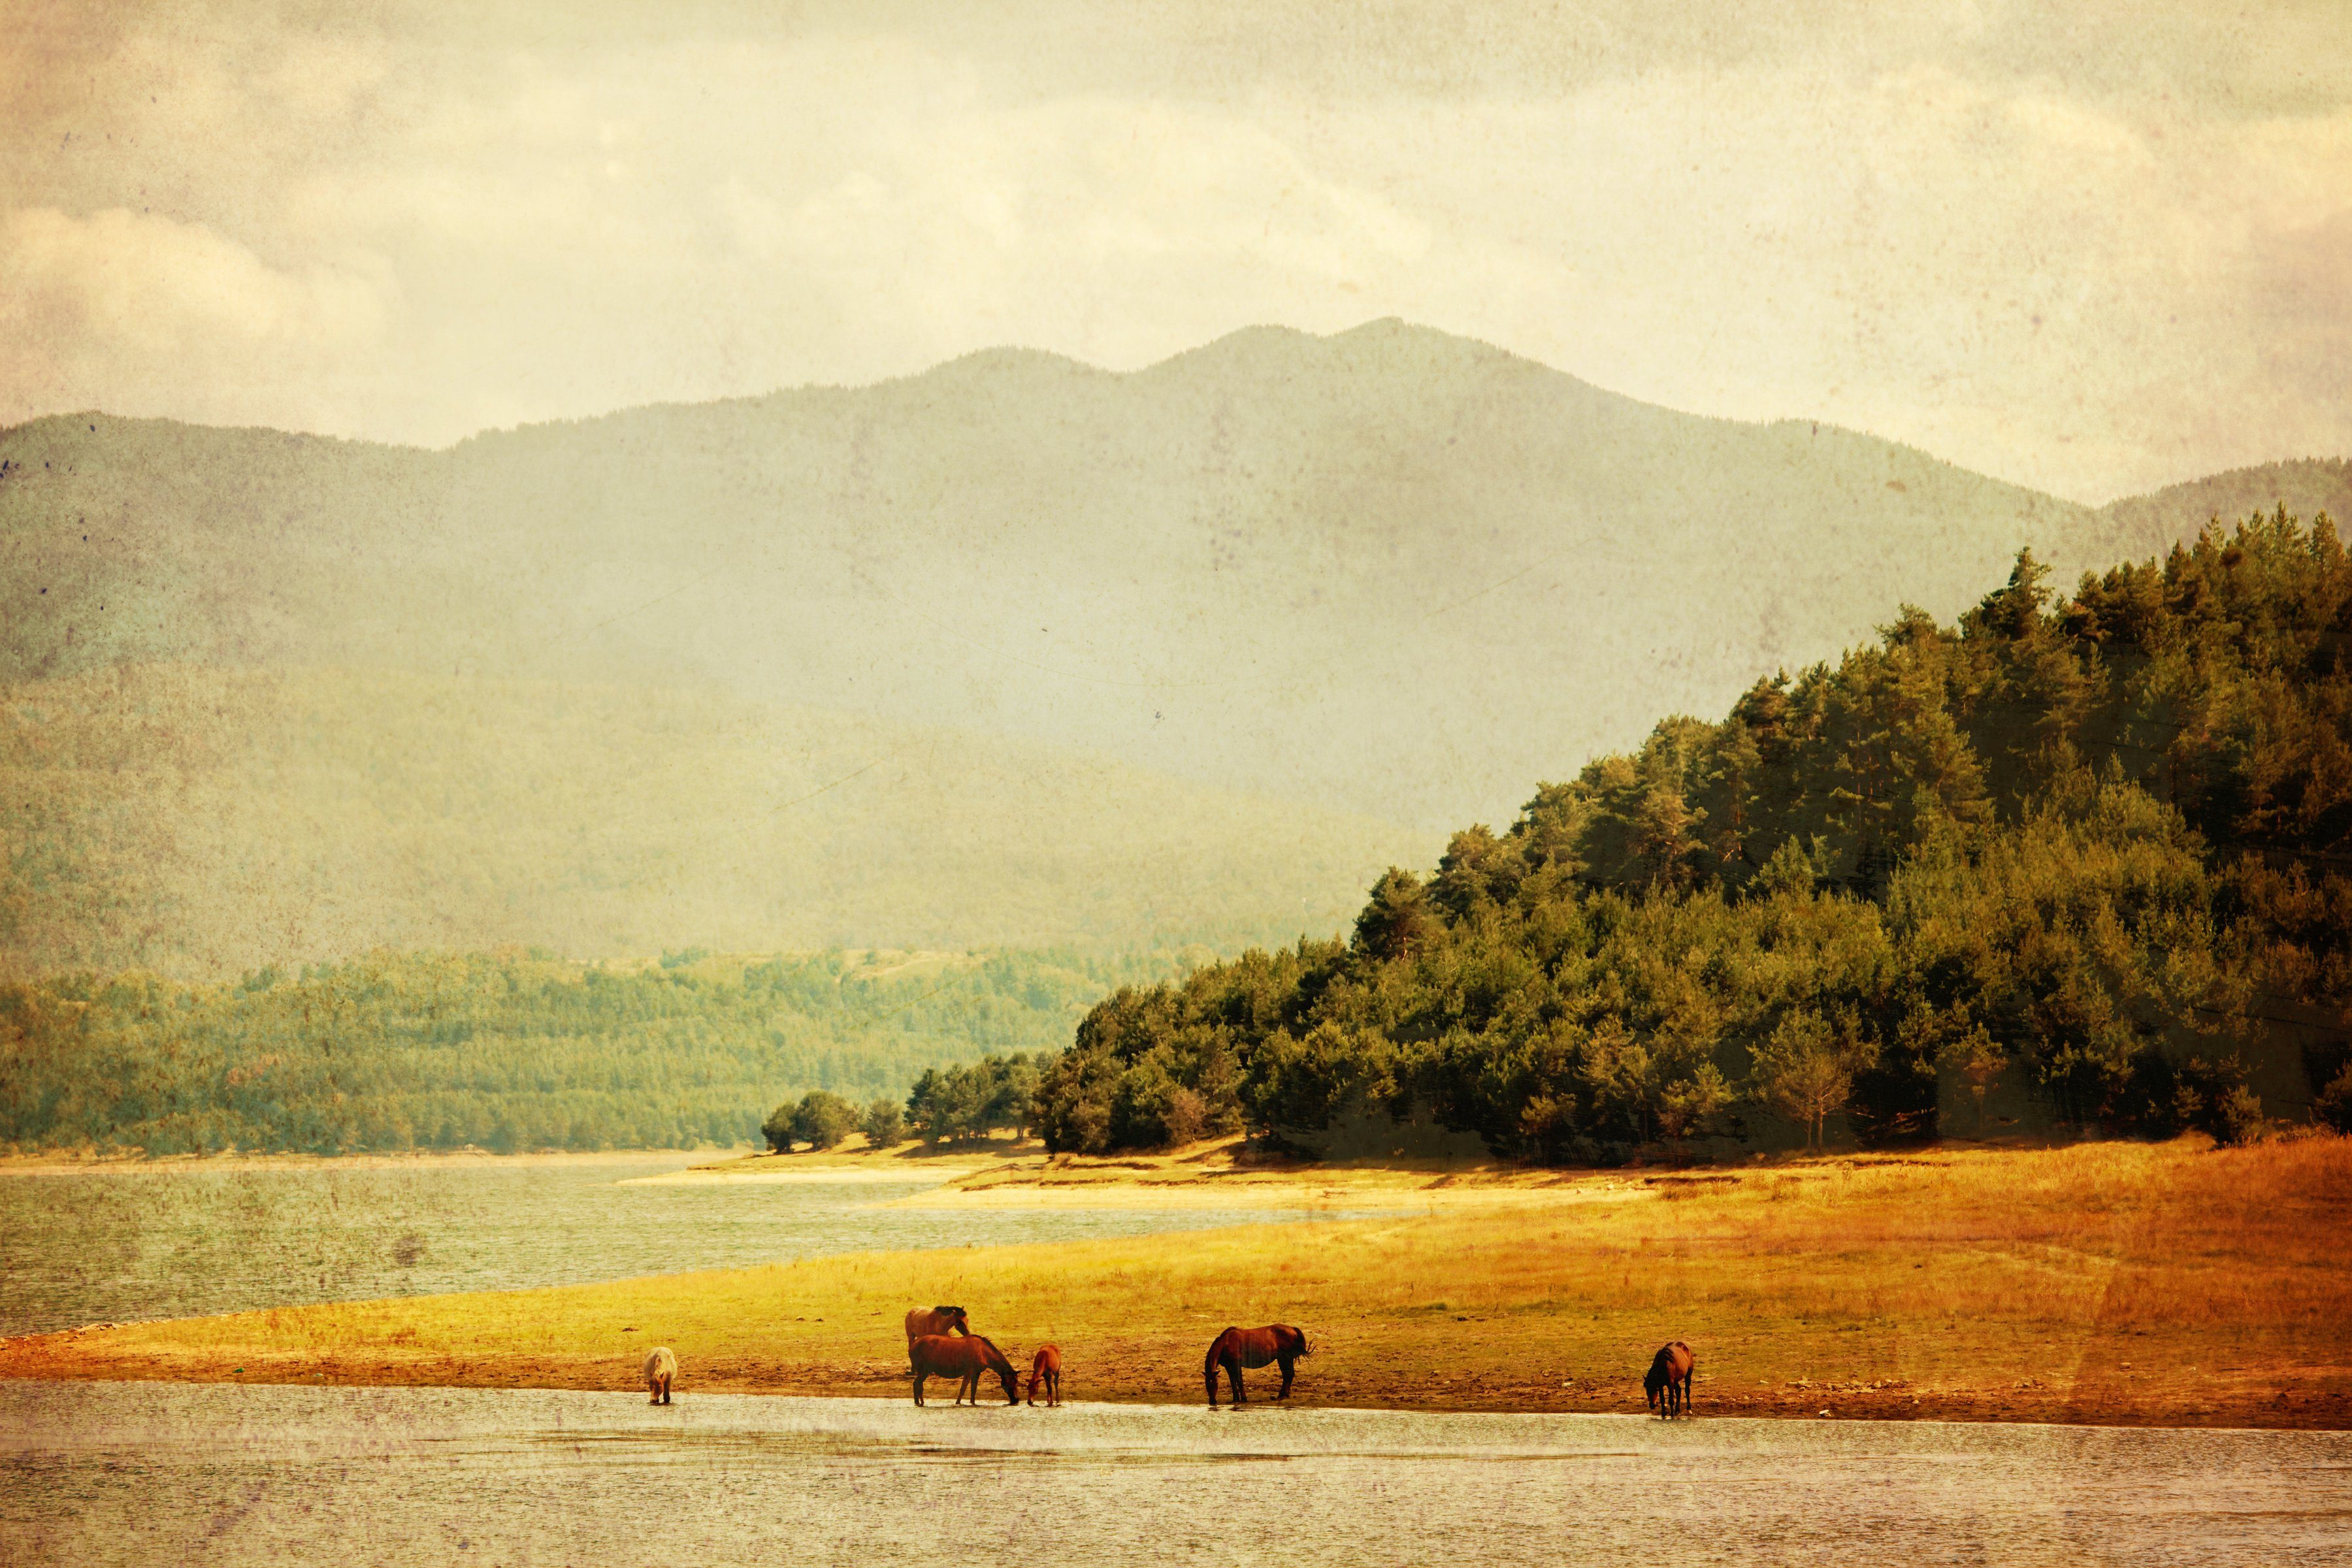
point(920, 1378)
point(1288, 1364)
point(1234, 1370)
point(1053, 1387)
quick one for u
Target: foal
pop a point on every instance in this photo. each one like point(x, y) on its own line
point(1046, 1369)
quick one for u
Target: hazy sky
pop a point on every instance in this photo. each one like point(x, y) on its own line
point(2093, 248)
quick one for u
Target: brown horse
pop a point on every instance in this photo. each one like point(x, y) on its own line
point(935, 1321)
point(661, 1366)
point(944, 1355)
point(1669, 1378)
point(1046, 1369)
point(1238, 1348)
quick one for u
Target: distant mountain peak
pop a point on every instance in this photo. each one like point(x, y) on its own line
point(1001, 367)
point(1389, 343)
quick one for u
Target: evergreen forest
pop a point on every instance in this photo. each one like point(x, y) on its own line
point(2078, 862)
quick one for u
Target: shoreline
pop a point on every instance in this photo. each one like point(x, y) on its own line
point(2164, 1285)
point(819, 1175)
point(881, 1382)
point(1306, 1196)
point(55, 1165)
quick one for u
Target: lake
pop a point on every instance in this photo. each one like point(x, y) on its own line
point(131, 1242)
point(148, 1473)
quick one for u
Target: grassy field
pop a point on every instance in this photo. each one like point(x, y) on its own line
point(2115, 1282)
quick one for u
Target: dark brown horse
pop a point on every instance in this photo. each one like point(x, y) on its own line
point(1238, 1348)
point(945, 1355)
point(1045, 1371)
point(1669, 1378)
point(935, 1321)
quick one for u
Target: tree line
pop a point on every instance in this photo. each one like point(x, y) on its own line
point(970, 1101)
point(511, 1050)
point(2091, 855)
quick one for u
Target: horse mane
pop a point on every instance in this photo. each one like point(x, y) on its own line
point(946, 1308)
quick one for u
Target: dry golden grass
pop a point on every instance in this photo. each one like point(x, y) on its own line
point(2107, 1282)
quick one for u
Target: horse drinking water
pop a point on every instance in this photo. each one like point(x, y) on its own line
point(1669, 1378)
point(660, 1367)
point(1238, 1348)
point(944, 1355)
point(1045, 1371)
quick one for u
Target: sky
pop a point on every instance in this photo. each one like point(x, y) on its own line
point(2093, 248)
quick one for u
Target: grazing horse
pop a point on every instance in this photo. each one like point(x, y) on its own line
point(660, 1367)
point(1669, 1379)
point(1238, 1348)
point(935, 1321)
point(1046, 1369)
point(944, 1355)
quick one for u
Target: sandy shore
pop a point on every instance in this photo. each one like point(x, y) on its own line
point(818, 1175)
point(2242, 1402)
point(50, 1164)
point(1308, 1195)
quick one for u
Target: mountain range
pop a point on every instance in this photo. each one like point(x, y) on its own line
point(1013, 650)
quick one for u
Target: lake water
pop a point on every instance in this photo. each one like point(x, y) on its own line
point(150, 1473)
point(132, 1242)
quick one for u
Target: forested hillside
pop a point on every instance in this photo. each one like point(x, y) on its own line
point(2088, 859)
point(510, 1051)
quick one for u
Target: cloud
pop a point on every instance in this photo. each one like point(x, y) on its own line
point(1916, 226)
point(129, 308)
